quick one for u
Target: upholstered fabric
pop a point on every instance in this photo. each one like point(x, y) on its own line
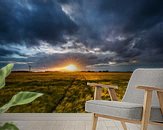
point(125, 110)
point(140, 77)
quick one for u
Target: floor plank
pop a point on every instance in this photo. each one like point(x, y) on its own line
point(57, 121)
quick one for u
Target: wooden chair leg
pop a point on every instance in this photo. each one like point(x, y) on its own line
point(94, 122)
point(160, 98)
point(124, 125)
point(146, 110)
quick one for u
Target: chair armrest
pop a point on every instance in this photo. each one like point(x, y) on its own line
point(111, 90)
point(147, 88)
point(148, 91)
point(102, 85)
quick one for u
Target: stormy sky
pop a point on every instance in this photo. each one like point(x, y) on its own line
point(115, 35)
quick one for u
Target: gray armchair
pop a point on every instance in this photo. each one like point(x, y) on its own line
point(138, 105)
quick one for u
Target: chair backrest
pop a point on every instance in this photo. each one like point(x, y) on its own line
point(140, 77)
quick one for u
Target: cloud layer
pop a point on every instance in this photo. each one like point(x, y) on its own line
point(99, 34)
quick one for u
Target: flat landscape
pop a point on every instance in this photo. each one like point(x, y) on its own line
point(64, 92)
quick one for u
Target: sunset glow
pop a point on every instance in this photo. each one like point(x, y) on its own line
point(71, 67)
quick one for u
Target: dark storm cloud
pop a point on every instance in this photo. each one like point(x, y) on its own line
point(5, 52)
point(134, 15)
point(125, 27)
point(130, 29)
point(29, 21)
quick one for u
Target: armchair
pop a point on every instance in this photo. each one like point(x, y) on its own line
point(138, 107)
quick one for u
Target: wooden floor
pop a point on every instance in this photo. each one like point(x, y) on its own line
point(59, 121)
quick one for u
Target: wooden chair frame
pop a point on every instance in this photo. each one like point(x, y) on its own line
point(146, 107)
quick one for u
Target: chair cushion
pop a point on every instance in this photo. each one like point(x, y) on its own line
point(125, 110)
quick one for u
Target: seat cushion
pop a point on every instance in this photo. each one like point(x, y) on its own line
point(131, 111)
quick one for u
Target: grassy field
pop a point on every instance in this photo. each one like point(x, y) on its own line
point(63, 91)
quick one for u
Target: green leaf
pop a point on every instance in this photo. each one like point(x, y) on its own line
point(20, 99)
point(4, 72)
point(8, 126)
point(2, 83)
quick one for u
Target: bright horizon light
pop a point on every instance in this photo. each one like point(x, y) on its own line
point(71, 67)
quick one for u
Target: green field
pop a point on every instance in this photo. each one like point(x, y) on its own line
point(63, 91)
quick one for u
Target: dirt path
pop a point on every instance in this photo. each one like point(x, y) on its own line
point(64, 95)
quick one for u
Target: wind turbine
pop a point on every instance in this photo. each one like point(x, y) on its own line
point(29, 67)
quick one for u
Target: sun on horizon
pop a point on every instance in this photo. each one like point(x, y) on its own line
point(71, 67)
